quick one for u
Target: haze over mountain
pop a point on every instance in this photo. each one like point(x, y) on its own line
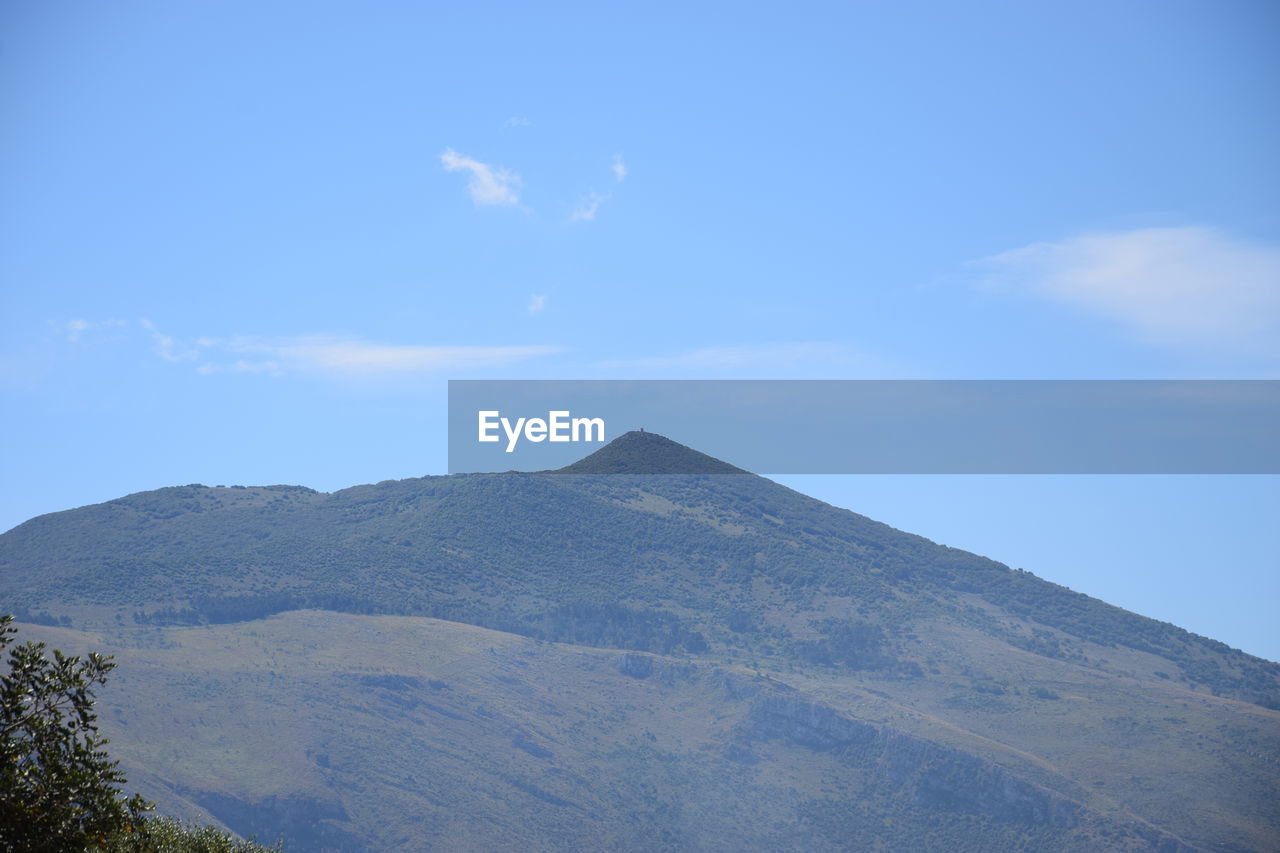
point(647, 649)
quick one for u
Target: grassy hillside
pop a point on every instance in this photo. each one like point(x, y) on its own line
point(651, 562)
point(360, 732)
point(1139, 729)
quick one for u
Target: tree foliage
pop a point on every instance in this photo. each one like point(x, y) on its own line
point(58, 787)
point(166, 835)
point(59, 790)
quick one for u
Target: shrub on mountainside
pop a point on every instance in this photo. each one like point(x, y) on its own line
point(615, 626)
point(853, 644)
point(166, 835)
point(59, 790)
point(39, 617)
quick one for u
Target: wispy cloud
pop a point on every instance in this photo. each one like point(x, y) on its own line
point(619, 168)
point(352, 357)
point(517, 121)
point(271, 368)
point(334, 355)
point(587, 208)
point(488, 185)
point(537, 302)
point(1178, 286)
point(774, 359)
point(76, 327)
point(166, 346)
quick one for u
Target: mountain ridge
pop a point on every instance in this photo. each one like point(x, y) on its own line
point(694, 569)
point(640, 452)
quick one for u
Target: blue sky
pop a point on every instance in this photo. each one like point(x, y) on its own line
point(249, 243)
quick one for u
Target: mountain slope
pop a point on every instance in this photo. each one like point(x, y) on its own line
point(1172, 736)
point(374, 733)
point(640, 452)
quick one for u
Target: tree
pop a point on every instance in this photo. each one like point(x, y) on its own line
point(58, 788)
point(166, 835)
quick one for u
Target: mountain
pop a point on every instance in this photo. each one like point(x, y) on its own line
point(648, 649)
point(640, 452)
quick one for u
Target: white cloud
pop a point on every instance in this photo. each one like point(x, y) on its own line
point(488, 185)
point(330, 354)
point(518, 121)
point(587, 207)
point(537, 302)
point(1178, 286)
point(271, 368)
point(774, 359)
point(619, 168)
point(78, 326)
point(166, 346)
point(350, 357)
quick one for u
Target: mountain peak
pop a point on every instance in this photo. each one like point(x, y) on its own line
point(640, 452)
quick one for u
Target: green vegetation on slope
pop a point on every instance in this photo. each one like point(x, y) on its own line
point(356, 733)
point(160, 834)
point(722, 568)
point(521, 551)
point(59, 790)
